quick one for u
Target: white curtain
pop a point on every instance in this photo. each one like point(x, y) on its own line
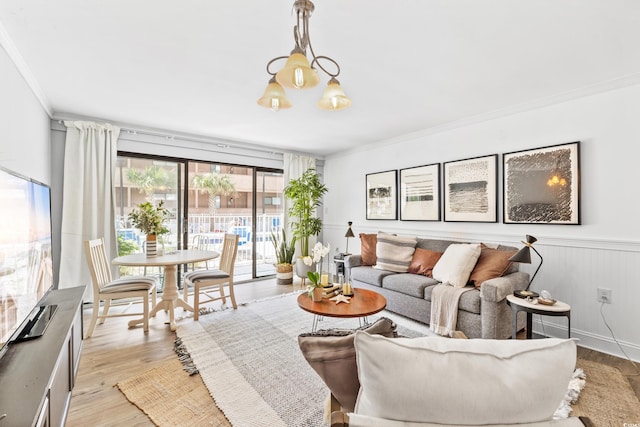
point(294, 166)
point(89, 198)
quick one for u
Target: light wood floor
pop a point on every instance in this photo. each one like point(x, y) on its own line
point(115, 353)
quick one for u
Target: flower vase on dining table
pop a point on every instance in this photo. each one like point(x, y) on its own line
point(151, 247)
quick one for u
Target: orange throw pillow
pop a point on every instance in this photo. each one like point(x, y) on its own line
point(423, 261)
point(368, 248)
point(491, 264)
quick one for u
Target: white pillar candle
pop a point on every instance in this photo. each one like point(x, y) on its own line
point(324, 279)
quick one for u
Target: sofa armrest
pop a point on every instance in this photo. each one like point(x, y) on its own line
point(339, 419)
point(495, 290)
point(353, 261)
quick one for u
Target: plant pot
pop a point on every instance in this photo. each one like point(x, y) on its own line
point(316, 295)
point(151, 248)
point(284, 274)
point(302, 269)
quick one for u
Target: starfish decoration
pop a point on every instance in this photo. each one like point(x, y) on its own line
point(340, 298)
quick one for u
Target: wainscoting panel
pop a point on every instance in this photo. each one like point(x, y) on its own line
point(572, 272)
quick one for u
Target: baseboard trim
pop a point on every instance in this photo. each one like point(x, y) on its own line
point(588, 340)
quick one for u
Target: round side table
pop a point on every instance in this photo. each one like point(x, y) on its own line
point(520, 304)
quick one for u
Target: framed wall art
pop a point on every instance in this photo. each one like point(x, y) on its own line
point(471, 189)
point(542, 185)
point(420, 193)
point(382, 195)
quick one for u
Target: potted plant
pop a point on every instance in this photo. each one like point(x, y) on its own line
point(305, 194)
point(150, 220)
point(284, 258)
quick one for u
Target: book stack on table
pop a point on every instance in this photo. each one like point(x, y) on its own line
point(331, 291)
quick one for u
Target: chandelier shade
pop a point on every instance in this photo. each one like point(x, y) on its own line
point(297, 73)
point(334, 97)
point(301, 72)
point(274, 97)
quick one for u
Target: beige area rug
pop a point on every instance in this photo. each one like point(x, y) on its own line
point(607, 398)
point(263, 339)
point(172, 398)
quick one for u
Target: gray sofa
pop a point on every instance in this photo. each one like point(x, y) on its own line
point(482, 313)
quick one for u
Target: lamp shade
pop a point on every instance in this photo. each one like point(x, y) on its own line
point(349, 232)
point(297, 73)
point(523, 256)
point(274, 97)
point(334, 97)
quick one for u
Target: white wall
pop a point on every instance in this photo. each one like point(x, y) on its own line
point(602, 252)
point(24, 126)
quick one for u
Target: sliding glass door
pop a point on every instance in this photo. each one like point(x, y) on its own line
point(139, 180)
point(269, 218)
point(240, 200)
point(206, 200)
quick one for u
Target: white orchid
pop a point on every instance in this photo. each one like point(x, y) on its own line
point(319, 251)
point(308, 261)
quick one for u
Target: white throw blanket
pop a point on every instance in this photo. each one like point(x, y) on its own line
point(444, 308)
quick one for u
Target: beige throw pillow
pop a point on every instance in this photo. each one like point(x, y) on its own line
point(394, 253)
point(462, 382)
point(456, 263)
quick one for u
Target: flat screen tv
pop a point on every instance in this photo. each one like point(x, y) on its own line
point(26, 267)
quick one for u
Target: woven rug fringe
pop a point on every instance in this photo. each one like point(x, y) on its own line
point(184, 357)
point(576, 384)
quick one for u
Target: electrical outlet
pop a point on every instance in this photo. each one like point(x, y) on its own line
point(604, 295)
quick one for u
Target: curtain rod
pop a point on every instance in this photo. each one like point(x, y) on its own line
point(220, 143)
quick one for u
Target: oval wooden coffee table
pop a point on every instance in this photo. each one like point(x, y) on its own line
point(363, 303)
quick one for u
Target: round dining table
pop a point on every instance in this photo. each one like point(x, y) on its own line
point(170, 295)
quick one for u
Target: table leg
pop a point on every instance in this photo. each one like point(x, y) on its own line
point(529, 325)
point(170, 297)
point(514, 314)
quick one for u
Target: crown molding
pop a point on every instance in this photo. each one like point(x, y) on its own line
point(14, 55)
point(548, 101)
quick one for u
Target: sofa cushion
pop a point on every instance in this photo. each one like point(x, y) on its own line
point(456, 263)
point(369, 275)
point(469, 301)
point(462, 382)
point(368, 248)
point(393, 252)
point(492, 263)
point(409, 284)
point(332, 355)
point(434, 244)
point(423, 261)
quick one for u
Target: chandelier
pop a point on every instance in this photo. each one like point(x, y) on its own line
point(298, 73)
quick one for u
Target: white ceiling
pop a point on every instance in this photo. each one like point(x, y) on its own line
point(198, 66)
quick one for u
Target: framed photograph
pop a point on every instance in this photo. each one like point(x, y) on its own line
point(471, 190)
point(420, 193)
point(382, 195)
point(542, 185)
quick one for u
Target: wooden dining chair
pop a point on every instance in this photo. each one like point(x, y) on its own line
point(204, 280)
point(106, 289)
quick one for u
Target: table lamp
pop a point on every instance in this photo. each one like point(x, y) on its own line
point(524, 256)
point(348, 234)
